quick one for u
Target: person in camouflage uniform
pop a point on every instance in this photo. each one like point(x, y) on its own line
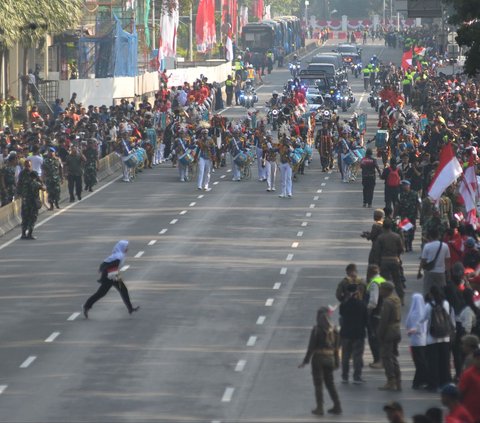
point(8, 180)
point(407, 207)
point(52, 176)
point(434, 221)
point(31, 186)
point(91, 165)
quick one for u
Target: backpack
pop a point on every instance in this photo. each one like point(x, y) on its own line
point(393, 178)
point(440, 324)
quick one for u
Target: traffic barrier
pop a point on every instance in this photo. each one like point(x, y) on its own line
point(10, 215)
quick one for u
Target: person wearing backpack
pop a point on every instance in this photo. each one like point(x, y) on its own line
point(440, 325)
point(392, 176)
point(435, 261)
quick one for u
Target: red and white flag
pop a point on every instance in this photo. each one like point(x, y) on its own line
point(167, 42)
point(407, 59)
point(420, 51)
point(205, 25)
point(468, 186)
point(448, 171)
point(405, 225)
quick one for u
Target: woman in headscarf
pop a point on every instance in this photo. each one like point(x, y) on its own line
point(417, 334)
point(109, 271)
point(323, 353)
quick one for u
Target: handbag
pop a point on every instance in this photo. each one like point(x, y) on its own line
point(431, 264)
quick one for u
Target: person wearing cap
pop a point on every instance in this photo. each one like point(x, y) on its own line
point(368, 165)
point(353, 315)
point(394, 411)
point(323, 353)
point(75, 162)
point(469, 385)
point(450, 396)
point(350, 278)
point(31, 203)
point(407, 208)
point(52, 177)
point(389, 336)
point(205, 153)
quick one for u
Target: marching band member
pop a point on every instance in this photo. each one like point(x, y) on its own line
point(236, 148)
point(324, 146)
point(270, 159)
point(285, 168)
point(258, 145)
point(181, 147)
point(206, 153)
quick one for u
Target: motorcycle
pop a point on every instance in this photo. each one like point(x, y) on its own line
point(357, 68)
point(295, 69)
point(272, 117)
point(374, 100)
point(248, 98)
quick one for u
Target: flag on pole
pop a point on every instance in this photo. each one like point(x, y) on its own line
point(420, 51)
point(407, 59)
point(205, 31)
point(449, 169)
point(468, 186)
point(167, 43)
point(243, 16)
point(229, 49)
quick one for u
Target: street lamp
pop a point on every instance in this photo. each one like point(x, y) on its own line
point(307, 3)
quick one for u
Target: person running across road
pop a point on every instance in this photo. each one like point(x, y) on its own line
point(323, 353)
point(109, 271)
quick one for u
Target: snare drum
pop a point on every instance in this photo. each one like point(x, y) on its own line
point(360, 152)
point(131, 161)
point(251, 154)
point(381, 138)
point(296, 157)
point(350, 158)
point(308, 151)
point(186, 158)
point(240, 159)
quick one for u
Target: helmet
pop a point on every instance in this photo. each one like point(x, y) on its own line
point(239, 57)
point(295, 56)
point(275, 92)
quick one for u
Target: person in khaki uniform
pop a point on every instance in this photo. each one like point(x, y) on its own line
point(389, 336)
point(350, 278)
point(388, 249)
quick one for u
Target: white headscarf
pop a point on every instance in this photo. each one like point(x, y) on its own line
point(416, 312)
point(119, 252)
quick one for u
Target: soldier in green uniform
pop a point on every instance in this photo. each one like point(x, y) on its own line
point(31, 186)
point(407, 207)
point(91, 165)
point(8, 179)
point(53, 177)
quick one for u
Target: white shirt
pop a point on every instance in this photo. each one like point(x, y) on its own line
point(37, 162)
point(430, 250)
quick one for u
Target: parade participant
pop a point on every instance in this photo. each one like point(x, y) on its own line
point(205, 154)
point(368, 165)
point(394, 412)
point(435, 261)
point(91, 164)
point(74, 163)
point(53, 177)
point(31, 203)
point(374, 305)
point(469, 386)
point(389, 336)
point(407, 208)
point(392, 177)
point(323, 353)
point(353, 315)
point(324, 145)
point(181, 147)
point(351, 278)
point(258, 141)
point(270, 160)
point(285, 169)
point(109, 276)
point(151, 138)
point(235, 149)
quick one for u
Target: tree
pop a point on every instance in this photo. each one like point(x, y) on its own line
point(467, 17)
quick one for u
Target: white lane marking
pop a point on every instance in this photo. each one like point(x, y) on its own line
point(295, 244)
point(251, 341)
point(200, 196)
point(300, 233)
point(28, 361)
point(52, 337)
point(289, 257)
point(192, 204)
point(2, 388)
point(182, 212)
point(139, 254)
point(163, 231)
point(62, 210)
point(228, 394)
point(308, 214)
point(269, 302)
point(261, 320)
point(277, 285)
point(240, 365)
point(323, 184)
point(126, 267)
point(172, 222)
point(152, 242)
point(224, 110)
point(360, 101)
point(327, 178)
point(216, 183)
point(229, 170)
point(319, 191)
point(312, 206)
point(283, 271)
point(223, 176)
point(73, 316)
point(316, 198)
point(304, 224)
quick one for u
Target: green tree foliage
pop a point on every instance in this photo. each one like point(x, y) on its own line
point(467, 17)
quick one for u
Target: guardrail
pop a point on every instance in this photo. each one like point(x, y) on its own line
point(10, 215)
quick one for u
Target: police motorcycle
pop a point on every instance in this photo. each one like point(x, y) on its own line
point(248, 96)
point(356, 69)
point(374, 98)
point(274, 109)
point(295, 67)
point(344, 96)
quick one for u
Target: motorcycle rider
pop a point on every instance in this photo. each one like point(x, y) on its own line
point(295, 66)
point(238, 67)
point(366, 77)
point(275, 100)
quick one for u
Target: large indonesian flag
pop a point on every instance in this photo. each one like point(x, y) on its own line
point(420, 51)
point(468, 186)
point(407, 59)
point(447, 172)
point(205, 25)
point(167, 42)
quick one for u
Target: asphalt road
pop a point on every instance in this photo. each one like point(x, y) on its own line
point(228, 282)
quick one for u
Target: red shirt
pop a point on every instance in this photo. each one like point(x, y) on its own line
point(459, 415)
point(469, 386)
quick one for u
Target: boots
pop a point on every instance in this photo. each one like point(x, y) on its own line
point(56, 204)
point(51, 206)
point(30, 234)
point(337, 409)
point(319, 399)
point(398, 383)
point(24, 234)
point(391, 385)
